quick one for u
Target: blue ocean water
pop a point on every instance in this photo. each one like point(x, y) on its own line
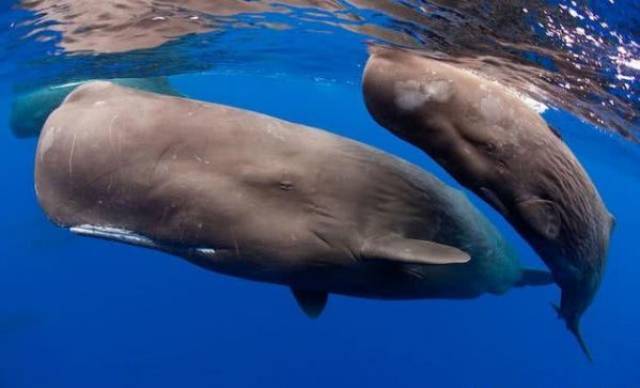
point(84, 313)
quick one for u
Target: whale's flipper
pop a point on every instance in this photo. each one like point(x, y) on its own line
point(542, 215)
point(411, 251)
point(311, 302)
point(535, 277)
point(573, 324)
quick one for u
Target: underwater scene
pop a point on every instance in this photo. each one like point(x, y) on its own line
point(314, 193)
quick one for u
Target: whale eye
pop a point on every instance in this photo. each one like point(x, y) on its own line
point(285, 185)
point(542, 216)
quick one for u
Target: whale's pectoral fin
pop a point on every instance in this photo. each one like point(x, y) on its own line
point(311, 302)
point(410, 251)
point(535, 277)
point(542, 216)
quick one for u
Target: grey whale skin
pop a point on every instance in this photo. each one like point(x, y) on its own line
point(252, 196)
point(501, 149)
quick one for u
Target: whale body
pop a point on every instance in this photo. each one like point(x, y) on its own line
point(489, 140)
point(252, 196)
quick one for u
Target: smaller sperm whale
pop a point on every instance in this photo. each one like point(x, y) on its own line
point(252, 196)
point(30, 110)
point(503, 151)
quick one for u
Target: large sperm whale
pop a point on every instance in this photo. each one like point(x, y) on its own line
point(501, 149)
point(256, 197)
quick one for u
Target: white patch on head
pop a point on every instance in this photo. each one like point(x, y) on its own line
point(411, 94)
point(491, 108)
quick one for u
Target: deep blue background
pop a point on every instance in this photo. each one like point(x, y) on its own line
point(77, 312)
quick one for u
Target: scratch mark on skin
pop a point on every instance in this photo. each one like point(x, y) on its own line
point(235, 242)
point(106, 173)
point(111, 145)
point(320, 237)
point(415, 272)
point(73, 147)
point(111, 130)
point(159, 160)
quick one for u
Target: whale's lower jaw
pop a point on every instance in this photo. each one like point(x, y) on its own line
point(131, 238)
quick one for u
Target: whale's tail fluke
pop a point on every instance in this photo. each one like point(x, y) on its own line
point(535, 277)
point(575, 330)
point(573, 324)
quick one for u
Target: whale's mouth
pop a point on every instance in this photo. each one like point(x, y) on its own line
point(132, 238)
point(115, 234)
